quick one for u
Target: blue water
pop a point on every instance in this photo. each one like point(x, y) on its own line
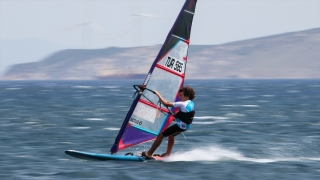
point(243, 129)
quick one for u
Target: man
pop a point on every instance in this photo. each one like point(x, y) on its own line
point(183, 120)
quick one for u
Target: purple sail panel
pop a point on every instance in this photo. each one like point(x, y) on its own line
point(133, 136)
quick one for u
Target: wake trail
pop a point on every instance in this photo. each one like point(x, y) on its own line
point(217, 154)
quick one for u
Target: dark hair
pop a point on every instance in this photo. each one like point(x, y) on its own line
point(188, 91)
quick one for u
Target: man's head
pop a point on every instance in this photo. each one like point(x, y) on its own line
point(187, 92)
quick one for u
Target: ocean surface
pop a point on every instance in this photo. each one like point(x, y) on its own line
point(243, 129)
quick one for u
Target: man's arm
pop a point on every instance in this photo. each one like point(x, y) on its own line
point(163, 101)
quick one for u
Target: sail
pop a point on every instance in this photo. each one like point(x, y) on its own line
point(166, 76)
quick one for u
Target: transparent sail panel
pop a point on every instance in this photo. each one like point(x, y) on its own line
point(167, 84)
point(144, 117)
point(175, 60)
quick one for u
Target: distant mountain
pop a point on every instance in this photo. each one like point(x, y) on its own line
point(16, 51)
point(289, 55)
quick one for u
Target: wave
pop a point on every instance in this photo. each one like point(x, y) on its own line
point(112, 129)
point(12, 88)
point(94, 119)
point(293, 91)
point(110, 87)
point(212, 117)
point(235, 115)
point(268, 95)
point(82, 87)
point(244, 105)
point(250, 105)
point(80, 127)
point(6, 100)
point(212, 122)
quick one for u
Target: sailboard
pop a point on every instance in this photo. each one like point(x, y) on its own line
point(143, 121)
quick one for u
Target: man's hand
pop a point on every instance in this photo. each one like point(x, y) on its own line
point(157, 93)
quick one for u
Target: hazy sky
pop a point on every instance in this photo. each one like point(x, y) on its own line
point(32, 29)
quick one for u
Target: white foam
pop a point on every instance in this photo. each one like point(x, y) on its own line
point(250, 105)
point(112, 129)
point(206, 154)
point(204, 122)
point(24, 156)
point(267, 95)
point(244, 105)
point(293, 91)
point(245, 97)
point(66, 142)
point(246, 122)
point(110, 87)
point(285, 125)
point(72, 160)
point(80, 127)
point(82, 87)
point(229, 105)
point(216, 153)
point(235, 115)
point(30, 122)
point(211, 117)
point(94, 119)
point(12, 88)
point(6, 100)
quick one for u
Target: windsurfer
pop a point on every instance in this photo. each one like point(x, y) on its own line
point(183, 120)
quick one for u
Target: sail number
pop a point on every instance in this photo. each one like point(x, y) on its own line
point(174, 64)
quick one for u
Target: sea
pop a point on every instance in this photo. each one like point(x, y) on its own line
point(243, 129)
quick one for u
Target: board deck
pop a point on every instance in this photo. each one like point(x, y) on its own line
point(107, 157)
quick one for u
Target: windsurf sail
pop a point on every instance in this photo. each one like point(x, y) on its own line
point(166, 75)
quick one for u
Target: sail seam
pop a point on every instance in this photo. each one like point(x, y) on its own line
point(170, 71)
point(152, 105)
point(145, 130)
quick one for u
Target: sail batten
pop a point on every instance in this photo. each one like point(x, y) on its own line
point(179, 38)
point(145, 120)
point(189, 12)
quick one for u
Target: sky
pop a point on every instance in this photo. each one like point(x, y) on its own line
point(31, 30)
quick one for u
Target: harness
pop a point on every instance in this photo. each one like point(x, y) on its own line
point(186, 117)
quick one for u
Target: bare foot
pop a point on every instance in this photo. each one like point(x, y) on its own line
point(146, 155)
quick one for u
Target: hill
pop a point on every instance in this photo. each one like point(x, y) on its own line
point(289, 55)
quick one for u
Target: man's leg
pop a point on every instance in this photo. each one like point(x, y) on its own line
point(155, 145)
point(170, 145)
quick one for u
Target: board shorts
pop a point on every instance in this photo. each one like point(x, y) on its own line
point(172, 131)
